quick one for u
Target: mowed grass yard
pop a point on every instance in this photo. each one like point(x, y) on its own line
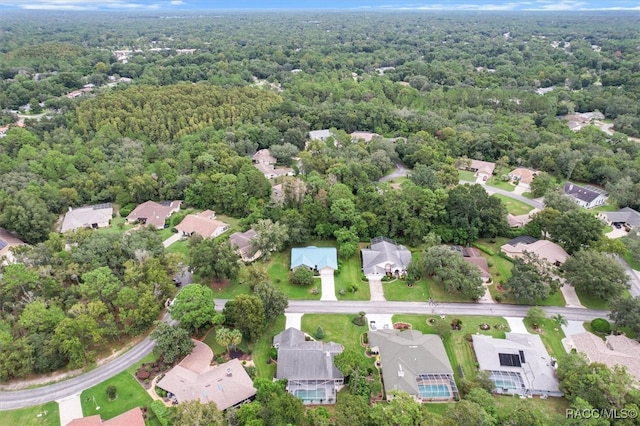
point(551, 334)
point(29, 415)
point(130, 394)
point(466, 176)
point(515, 207)
point(278, 270)
point(397, 290)
point(351, 273)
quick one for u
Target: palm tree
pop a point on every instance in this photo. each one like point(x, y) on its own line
point(560, 320)
point(235, 338)
point(224, 337)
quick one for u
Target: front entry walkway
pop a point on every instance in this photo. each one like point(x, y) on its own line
point(328, 285)
point(375, 288)
point(70, 409)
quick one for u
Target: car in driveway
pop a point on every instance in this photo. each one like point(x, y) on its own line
point(617, 225)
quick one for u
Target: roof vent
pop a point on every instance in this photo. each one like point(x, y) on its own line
point(229, 372)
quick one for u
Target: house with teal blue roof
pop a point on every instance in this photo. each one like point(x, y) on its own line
point(316, 258)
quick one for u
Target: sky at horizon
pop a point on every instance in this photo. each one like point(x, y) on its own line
point(373, 5)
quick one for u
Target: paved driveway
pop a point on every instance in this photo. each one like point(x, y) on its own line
point(172, 239)
point(375, 287)
point(617, 233)
point(293, 320)
point(516, 325)
point(379, 321)
point(328, 285)
point(70, 409)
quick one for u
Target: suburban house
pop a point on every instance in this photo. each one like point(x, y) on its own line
point(263, 156)
point(415, 363)
point(523, 176)
point(544, 249)
point(480, 169)
point(93, 217)
point(518, 221)
point(365, 136)
point(277, 194)
point(472, 255)
point(320, 135)
point(518, 364)
point(627, 217)
point(308, 367)
point(585, 197)
point(616, 350)
point(228, 384)
point(385, 257)
point(7, 242)
point(154, 214)
point(132, 417)
point(243, 244)
point(203, 224)
point(315, 258)
point(265, 163)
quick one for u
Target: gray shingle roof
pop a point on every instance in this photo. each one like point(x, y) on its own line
point(406, 354)
point(576, 191)
point(305, 360)
point(626, 215)
point(383, 253)
point(523, 239)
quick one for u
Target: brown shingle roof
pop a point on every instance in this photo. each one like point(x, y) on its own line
point(203, 224)
point(132, 417)
point(154, 213)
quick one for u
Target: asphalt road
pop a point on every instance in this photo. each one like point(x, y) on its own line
point(634, 278)
point(25, 398)
point(399, 171)
point(529, 201)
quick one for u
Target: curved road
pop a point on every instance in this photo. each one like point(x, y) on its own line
point(25, 398)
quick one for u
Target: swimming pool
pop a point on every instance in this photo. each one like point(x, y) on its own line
point(310, 394)
point(434, 391)
point(505, 384)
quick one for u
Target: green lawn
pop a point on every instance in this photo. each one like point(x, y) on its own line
point(497, 183)
point(278, 270)
point(628, 257)
point(350, 273)
point(555, 408)
point(603, 208)
point(591, 302)
point(130, 394)
point(398, 290)
point(551, 334)
point(181, 247)
point(459, 350)
point(337, 328)
point(260, 349)
point(29, 415)
point(466, 175)
point(438, 292)
point(118, 226)
point(514, 207)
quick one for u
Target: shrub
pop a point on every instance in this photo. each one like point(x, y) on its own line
point(319, 333)
point(161, 411)
point(498, 298)
point(354, 288)
point(342, 292)
point(111, 391)
point(468, 337)
point(359, 321)
point(302, 276)
point(601, 325)
point(251, 371)
point(273, 353)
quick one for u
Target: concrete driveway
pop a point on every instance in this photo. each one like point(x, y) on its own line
point(172, 239)
point(375, 287)
point(516, 325)
point(616, 233)
point(328, 285)
point(70, 409)
point(379, 321)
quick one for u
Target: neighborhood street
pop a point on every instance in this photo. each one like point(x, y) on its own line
point(25, 398)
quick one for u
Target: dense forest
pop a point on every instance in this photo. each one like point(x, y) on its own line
point(172, 124)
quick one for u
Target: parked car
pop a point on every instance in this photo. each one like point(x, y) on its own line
point(617, 225)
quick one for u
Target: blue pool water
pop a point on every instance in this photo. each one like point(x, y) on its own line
point(434, 391)
point(507, 384)
point(310, 395)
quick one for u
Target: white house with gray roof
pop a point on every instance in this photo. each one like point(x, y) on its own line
point(415, 363)
point(385, 257)
point(518, 364)
point(308, 367)
point(585, 197)
point(92, 217)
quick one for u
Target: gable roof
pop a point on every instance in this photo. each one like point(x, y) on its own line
point(365, 136)
point(626, 215)
point(299, 359)
point(84, 217)
point(472, 255)
point(132, 417)
point(244, 245)
point(154, 213)
point(483, 166)
point(544, 249)
point(203, 224)
point(314, 257)
point(522, 239)
point(581, 193)
point(618, 350)
point(320, 134)
point(384, 252)
point(194, 378)
point(540, 376)
point(405, 354)
point(524, 175)
point(264, 156)
point(8, 240)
